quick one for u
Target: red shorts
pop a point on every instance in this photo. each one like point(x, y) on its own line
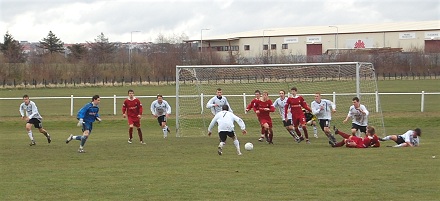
point(298, 120)
point(135, 121)
point(264, 121)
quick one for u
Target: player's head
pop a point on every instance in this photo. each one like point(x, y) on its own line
point(282, 93)
point(371, 130)
point(159, 98)
point(219, 92)
point(356, 102)
point(293, 90)
point(130, 93)
point(265, 95)
point(225, 107)
point(417, 132)
point(318, 96)
point(26, 99)
point(257, 93)
point(96, 99)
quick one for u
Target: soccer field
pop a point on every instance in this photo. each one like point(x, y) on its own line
point(188, 168)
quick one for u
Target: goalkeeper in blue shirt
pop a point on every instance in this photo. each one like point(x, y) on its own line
point(86, 116)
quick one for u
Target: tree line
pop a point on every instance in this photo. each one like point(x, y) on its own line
point(101, 59)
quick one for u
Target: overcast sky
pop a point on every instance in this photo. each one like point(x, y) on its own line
point(78, 21)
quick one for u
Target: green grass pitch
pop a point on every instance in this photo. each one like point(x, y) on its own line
point(188, 168)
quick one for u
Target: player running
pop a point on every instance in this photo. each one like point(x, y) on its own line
point(323, 110)
point(295, 105)
point(251, 105)
point(216, 103)
point(359, 115)
point(161, 110)
point(263, 108)
point(29, 112)
point(280, 103)
point(132, 110)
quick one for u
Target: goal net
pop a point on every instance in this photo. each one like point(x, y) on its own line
point(337, 82)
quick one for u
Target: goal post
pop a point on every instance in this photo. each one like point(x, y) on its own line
point(338, 82)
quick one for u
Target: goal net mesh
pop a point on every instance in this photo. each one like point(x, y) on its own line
point(337, 82)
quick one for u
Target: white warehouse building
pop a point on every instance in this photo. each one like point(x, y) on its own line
point(319, 40)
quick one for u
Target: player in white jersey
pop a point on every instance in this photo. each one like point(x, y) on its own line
point(359, 115)
point(161, 110)
point(225, 121)
point(216, 103)
point(409, 139)
point(279, 104)
point(29, 113)
point(323, 109)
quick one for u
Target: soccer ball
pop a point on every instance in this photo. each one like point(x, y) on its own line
point(248, 146)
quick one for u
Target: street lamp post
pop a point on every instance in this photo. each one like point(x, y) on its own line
point(201, 39)
point(268, 50)
point(336, 38)
point(130, 47)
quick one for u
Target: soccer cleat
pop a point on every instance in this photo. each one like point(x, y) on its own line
point(381, 139)
point(32, 143)
point(165, 136)
point(270, 142)
point(333, 139)
point(70, 138)
point(261, 139)
point(239, 153)
point(300, 139)
point(168, 130)
point(336, 130)
point(130, 141)
point(307, 141)
point(81, 150)
point(331, 143)
point(219, 151)
point(142, 142)
point(315, 135)
point(48, 138)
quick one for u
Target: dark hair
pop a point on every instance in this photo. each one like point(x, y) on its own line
point(257, 91)
point(130, 90)
point(418, 131)
point(95, 97)
point(25, 96)
point(371, 130)
point(219, 89)
point(159, 95)
point(225, 107)
point(356, 99)
point(294, 88)
point(283, 91)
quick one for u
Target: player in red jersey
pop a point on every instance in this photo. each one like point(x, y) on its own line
point(352, 141)
point(295, 104)
point(252, 106)
point(132, 109)
point(263, 109)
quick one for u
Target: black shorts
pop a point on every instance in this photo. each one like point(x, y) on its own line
point(287, 122)
point(324, 123)
point(36, 122)
point(161, 119)
point(224, 134)
point(363, 129)
point(400, 140)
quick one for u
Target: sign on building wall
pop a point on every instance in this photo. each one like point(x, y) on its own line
point(291, 40)
point(359, 43)
point(407, 35)
point(432, 35)
point(314, 39)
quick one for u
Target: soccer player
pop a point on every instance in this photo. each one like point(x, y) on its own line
point(280, 103)
point(410, 138)
point(295, 105)
point(132, 110)
point(225, 120)
point(359, 115)
point(29, 112)
point(263, 108)
point(252, 106)
point(161, 110)
point(86, 116)
point(323, 110)
point(216, 103)
point(311, 121)
point(352, 141)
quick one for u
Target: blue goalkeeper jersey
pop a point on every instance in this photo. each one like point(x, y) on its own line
point(88, 113)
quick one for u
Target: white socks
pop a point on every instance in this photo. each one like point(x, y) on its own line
point(165, 131)
point(31, 136)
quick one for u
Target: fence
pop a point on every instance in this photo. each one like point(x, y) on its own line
point(244, 96)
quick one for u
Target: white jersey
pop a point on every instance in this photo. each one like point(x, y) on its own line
point(220, 102)
point(279, 104)
point(358, 118)
point(160, 109)
point(30, 110)
point(225, 121)
point(409, 138)
point(325, 112)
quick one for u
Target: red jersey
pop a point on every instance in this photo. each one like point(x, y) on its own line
point(296, 104)
point(374, 141)
point(260, 105)
point(253, 104)
point(360, 142)
point(132, 108)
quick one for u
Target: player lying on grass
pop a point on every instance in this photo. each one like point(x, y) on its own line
point(409, 139)
point(352, 141)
